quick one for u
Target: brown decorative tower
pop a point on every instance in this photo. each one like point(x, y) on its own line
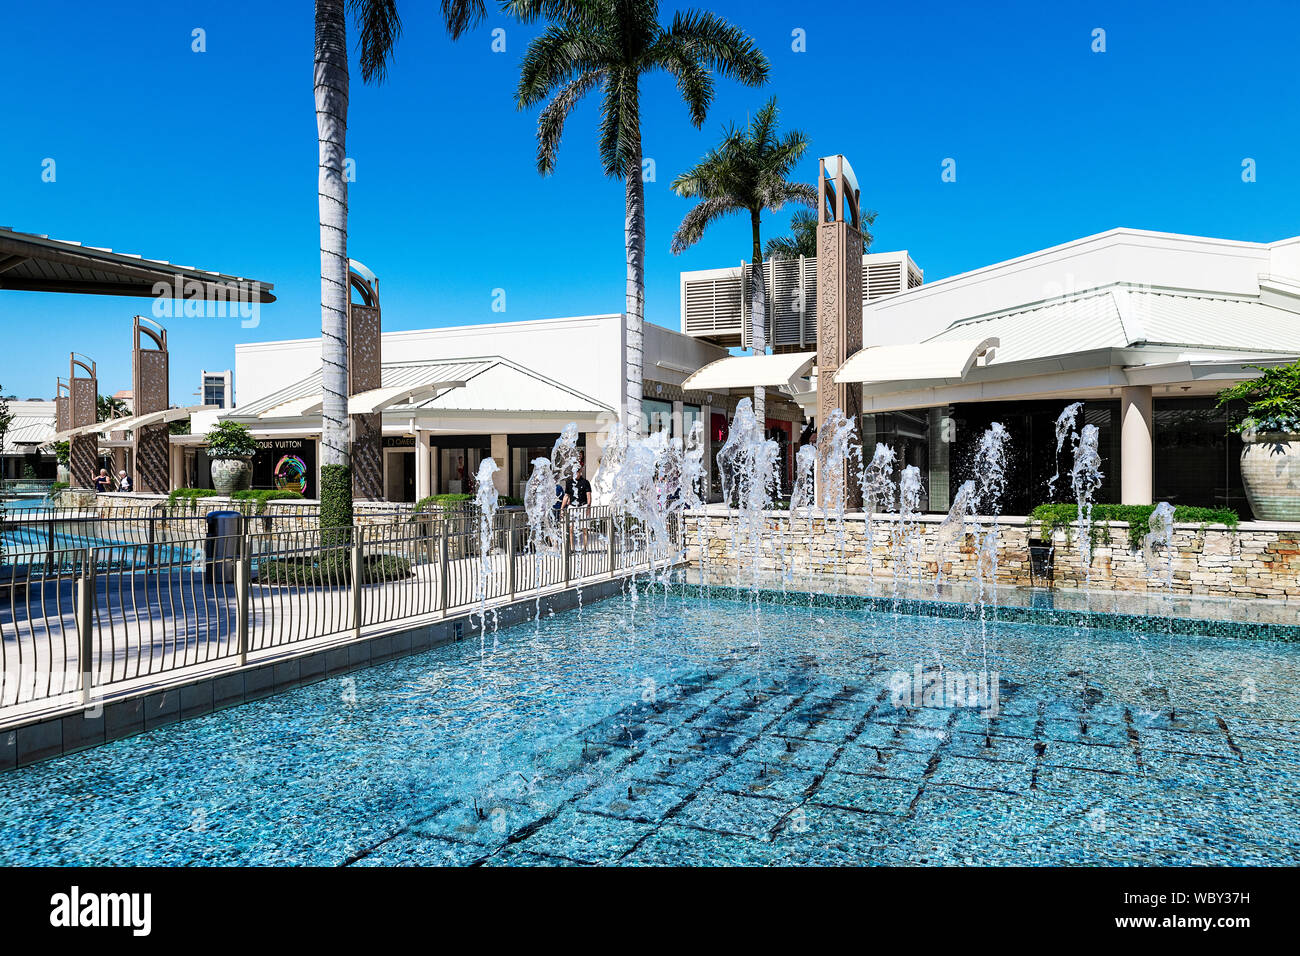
point(839, 293)
point(365, 372)
point(151, 385)
point(83, 393)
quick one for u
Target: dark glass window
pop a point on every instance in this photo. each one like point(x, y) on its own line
point(1197, 461)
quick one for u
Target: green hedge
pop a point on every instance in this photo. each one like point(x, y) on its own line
point(335, 568)
point(336, 504)
point(189, 498)
point(1136, 518)
point(437, 502)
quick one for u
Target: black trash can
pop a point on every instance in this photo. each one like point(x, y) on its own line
point(221, 548)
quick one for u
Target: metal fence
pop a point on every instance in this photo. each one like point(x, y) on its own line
point(78, 617)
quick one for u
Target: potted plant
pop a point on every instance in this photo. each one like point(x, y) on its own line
point(231, 447)
point(1270, 429)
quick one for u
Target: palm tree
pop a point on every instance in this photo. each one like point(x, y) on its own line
point(745, 173)
point(380, 26)
point(609, 45)
point(802, 240)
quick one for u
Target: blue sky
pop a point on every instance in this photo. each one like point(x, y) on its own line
point(209, 159)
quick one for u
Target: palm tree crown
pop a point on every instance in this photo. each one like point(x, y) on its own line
point(747, 172)
point(802, 240)
point(606, 46)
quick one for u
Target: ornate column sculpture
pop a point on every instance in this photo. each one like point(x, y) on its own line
point(83, 394)
point(150, 383)
point(365, 372)
point(839, 296)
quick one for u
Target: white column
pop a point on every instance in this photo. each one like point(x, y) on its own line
point(678, 408)
point(423, 463)
point(501, 454)
point(1135, 445)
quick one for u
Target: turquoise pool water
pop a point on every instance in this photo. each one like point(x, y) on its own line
point(682, 730)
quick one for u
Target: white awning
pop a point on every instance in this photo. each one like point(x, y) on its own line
point(377, 399)
point(74, 432)
point(306, 405)
point(749, 371)
point(943, 361)
point(166, 416)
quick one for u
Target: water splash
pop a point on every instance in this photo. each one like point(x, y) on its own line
point(878, 491)
point(1160, 534)
point(905, 543)
point(953, 530)
point(486, 499)
point(1085, 479)
point(748, 465)
point(1066, 428)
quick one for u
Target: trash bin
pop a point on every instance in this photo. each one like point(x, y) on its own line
point(221, 547)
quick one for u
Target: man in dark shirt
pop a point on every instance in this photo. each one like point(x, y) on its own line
point(577, 498)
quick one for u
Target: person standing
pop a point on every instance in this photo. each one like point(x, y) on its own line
point(577, 498)
point(103, 483)
point(124, 481)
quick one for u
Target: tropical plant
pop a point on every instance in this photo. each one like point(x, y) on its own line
point(380, 26)
point(802, 240)
point(108, 407)
point(230, 440)
point(609, 46)
point(63, 453)
point(6, 418)
point(1272, 400)
point(748, 172)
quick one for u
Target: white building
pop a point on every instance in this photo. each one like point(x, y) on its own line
point(1143, 327)
point(32, 427)
point(453, 396)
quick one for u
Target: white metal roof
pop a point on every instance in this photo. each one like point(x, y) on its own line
point(485, 384)
point(749, 371)
point(150, 418)
point(944, 361)
point(29, 430)
point(1123, 316)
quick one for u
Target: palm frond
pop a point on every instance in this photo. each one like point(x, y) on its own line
point(712, 41)
point(695, 222)
point(379, 25)
point(550, 124)
point(460, 16)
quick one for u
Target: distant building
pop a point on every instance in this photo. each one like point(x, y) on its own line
point(217, 389)
point(32, 426)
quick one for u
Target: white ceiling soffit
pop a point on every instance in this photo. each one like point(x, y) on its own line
point(749, 371)
point(921, 361)
point(377, 399)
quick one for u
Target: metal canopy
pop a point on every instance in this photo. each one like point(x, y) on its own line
point(750, 371)
point(37, 263)
point(377, 399)
point(946, 361)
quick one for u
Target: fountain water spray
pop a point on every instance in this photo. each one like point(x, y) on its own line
point(906, 537)
point(1066, 428)
point(748, 465)
point(485, 497)
point(878, 491)
point(1085, 479)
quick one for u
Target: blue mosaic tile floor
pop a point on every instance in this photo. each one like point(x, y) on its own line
point(693, 729)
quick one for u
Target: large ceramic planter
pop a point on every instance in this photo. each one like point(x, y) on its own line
point(231, 474)
point(1270, 470)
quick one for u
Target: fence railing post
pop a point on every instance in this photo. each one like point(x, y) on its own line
point(86, 622)
point(444, 565)
point(357, 556)
point(566, 549)
point(512, 520)
point(243, 597)
point(609, 546)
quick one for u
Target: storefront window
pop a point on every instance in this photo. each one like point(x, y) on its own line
point(1198, 461)
point(657, 416)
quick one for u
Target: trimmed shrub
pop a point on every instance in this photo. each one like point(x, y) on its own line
point(336, 505)
point(334, 569)
point(1136, 518)
point(187, 499)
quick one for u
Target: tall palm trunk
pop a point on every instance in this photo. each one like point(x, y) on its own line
point(634, 240)
point(758, 313)
point(331, 75)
